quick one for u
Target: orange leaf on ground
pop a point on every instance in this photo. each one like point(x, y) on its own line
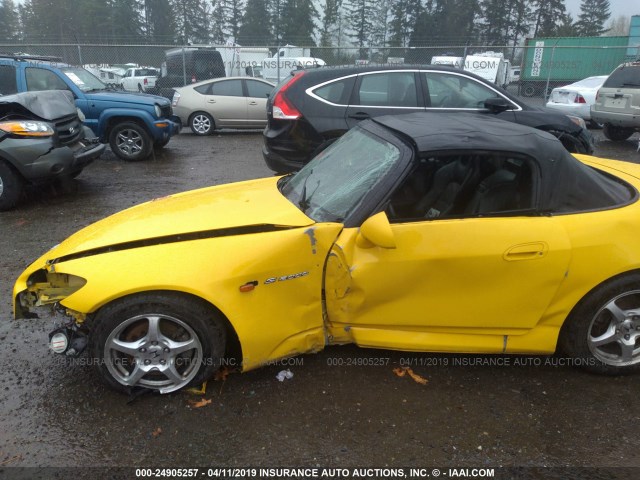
point(156, 433)
point(222, 374)
point(200, 403)
point(402, 371)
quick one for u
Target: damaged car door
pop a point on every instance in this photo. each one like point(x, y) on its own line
point(464, 265)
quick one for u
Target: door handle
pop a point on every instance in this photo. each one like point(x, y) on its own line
point(211, 100)
point(360, 116)
point(253, 103)
point(526, 251)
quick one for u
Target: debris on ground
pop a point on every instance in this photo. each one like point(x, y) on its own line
point(284, 374)
point(402, 371)
point(200, 403)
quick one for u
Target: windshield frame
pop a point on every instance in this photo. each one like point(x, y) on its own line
point(372, 200)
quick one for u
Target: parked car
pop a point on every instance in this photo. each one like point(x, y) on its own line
point(234, 102)
point(139, 79)
point(132, 123)
point(617, 104)
point(316, 106)
point(428, 232)
point(42, 139)
point(576, 98)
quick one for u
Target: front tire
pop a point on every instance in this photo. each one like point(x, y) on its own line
point(616, 134)
point(11, 187)
point(201, 123)
point(160, 341)
point(603, 330)
point(130, 142)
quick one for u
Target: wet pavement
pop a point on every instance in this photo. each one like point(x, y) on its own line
point(344, 407)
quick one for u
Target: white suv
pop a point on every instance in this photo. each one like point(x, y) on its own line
point(618, 102)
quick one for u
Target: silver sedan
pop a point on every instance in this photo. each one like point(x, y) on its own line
point(234, 102)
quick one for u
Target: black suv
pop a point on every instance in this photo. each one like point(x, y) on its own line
point(310, 109)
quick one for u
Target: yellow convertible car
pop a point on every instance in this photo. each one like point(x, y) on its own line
point(421, 232)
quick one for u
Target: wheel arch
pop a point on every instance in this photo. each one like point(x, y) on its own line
point(592, 291)
point(233, 347)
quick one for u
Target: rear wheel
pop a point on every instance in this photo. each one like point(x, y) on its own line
point(201, 123)
point(130, 141)
point(160, 341)
point(603, 331)
point(11, 186)
point(529, 90)
point(616, 134)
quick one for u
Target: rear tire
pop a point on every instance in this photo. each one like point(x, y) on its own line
point(11, 186)
point(160, 341)
point(616, 134)
point(602, 333)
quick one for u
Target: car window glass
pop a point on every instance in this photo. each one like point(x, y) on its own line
point(8, 84)
point(229, 88)
point(626, 76)
point(455, 91)
point(455, 186)
point(334, 91)
point(389, 89)
point(41, 79)
point(258, 89)
point(203, 89)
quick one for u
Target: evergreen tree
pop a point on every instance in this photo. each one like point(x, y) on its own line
point(192, 21)
point(360, 17)
point(256, 27)
point(160, 25)
point(9, 21)
point(566, 27)
point(404, 18)
point(548, 16)
point(218, 20)
point(126, 22)
point(330, 22)
point(230, 14)
point(297, 22)
point(505, 22)
point(593, 16)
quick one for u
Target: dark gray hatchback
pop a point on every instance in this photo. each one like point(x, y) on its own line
point(312, 108)
point(42, 139)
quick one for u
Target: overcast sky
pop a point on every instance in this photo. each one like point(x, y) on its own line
point(618, 7)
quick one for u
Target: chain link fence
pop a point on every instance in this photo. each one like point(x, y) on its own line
point(531, 70)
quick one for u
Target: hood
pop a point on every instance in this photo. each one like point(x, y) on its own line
point(47, 104)
point(213, 211)
point(127, 97)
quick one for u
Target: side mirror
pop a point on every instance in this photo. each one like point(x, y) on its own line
point(497, 104)
point(376, 231)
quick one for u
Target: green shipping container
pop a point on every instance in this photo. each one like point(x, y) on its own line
point(568, 59)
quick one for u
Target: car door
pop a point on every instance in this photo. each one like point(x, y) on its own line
point(226, 103)
point(257, 93)
point(445, 282)
point(384, 93)
point(127, 80)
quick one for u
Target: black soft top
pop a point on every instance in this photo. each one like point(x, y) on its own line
point(566, 184)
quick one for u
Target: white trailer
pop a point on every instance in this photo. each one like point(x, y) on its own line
point(491, 66)
point(281, 64)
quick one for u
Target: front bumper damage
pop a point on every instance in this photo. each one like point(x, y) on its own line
point(48, 288)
